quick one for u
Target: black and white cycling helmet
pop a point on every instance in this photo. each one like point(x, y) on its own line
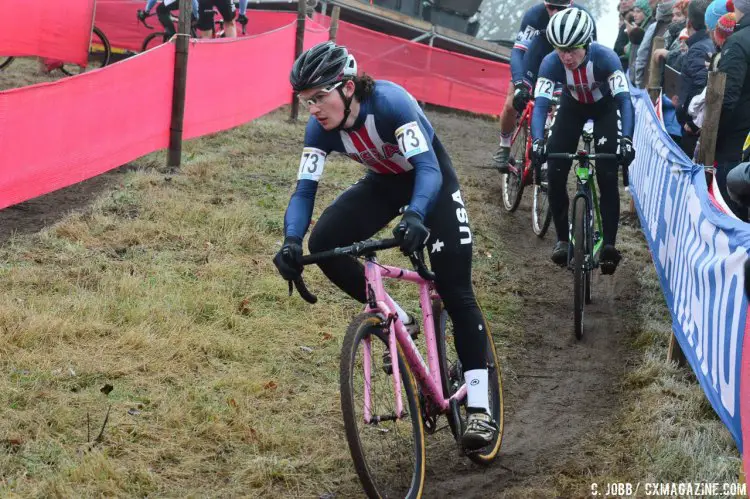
point(324, 64)
point(570, 28)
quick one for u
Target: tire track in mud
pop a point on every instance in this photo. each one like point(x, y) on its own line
point(562, 389)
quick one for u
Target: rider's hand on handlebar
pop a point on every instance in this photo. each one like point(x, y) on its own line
point(411, 233)
point(142, 15)
point(289, 259)
point(521, 96)
point(625, 151)
point(538, 152)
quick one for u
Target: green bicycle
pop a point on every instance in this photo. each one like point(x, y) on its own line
point(586, 234)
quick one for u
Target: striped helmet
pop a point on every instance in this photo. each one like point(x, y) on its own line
point(570, 28)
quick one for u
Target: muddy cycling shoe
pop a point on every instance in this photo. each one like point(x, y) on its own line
point(481, 430)
point(412, 327)
point(560, 253)
point(500, 159)
point(609, 257)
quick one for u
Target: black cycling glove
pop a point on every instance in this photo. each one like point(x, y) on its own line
point(411, 232)
point(289, 258)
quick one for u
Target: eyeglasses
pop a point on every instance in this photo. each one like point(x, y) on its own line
point(556, 8)
point(317, 99)
point(568, 50)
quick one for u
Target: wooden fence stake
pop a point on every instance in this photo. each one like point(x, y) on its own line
point(301, 11)
point(334, 24)
point(712, 112)
point(174, 157)
point(654, 73)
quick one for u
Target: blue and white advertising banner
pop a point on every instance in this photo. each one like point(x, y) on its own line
point(699, 253)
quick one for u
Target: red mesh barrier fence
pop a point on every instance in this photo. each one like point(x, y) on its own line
point(57, 134)
point(257, 86)
point(58, 30)
point(430, 74)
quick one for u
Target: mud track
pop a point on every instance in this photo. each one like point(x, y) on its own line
point(560, 390)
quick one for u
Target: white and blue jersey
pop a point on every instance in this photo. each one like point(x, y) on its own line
point(391, 136)
point(598, 78)
point(531, 43)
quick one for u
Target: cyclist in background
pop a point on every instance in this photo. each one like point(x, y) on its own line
point(226, 9)
point(163, 11)
point(594, 87)
point(527, 54)
point(379, 124)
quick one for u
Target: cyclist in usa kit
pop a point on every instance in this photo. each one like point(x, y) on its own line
point(379, 124)
point(530, 47)
point(594, 87)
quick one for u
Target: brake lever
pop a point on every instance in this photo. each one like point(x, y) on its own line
point(417, 260)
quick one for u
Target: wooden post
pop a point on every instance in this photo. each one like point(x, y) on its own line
point(333, 31)
point(711, 115)
point(654, 75)
point(301, 11)
point(675, 353)
point(174, 157)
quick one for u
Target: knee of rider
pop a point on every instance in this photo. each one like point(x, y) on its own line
point(320, 240)
point(459, 300)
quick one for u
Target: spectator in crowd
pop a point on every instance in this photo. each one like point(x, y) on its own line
point(720, 31)
point(635, 26)
point(734, 123)
point(663, 19)
point(694, 71)
point(672, 53)
point(625, 8)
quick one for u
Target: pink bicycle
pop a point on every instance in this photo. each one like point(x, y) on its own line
point(386, 435)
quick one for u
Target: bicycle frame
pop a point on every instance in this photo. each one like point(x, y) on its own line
point(524, 124)
point(586, 188)
point(428, 375)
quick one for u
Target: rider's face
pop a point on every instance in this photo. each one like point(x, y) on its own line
point(326, 104)
point(571, 58)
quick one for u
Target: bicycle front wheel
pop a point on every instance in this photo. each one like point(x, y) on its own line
point(541, 214)
point(579, 264)
point(100, 53)
point(5, 61)
point(513, 180)
point(452, 377)
point(388, 449)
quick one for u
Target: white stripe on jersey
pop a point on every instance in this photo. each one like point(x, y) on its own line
point(397, 158)
point(596, 92)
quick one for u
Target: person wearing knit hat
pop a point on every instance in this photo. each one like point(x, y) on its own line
point(724, 28)
point(714, 11)
point(645, 8)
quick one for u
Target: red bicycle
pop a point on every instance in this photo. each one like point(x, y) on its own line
point(521, 173)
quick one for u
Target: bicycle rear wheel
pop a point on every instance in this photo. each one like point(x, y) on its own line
point(513, 180)
point(389, 451)
point(579, 263)
point(541, 214)
point(5, 61)
point(100, 53)
point(452, 377)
